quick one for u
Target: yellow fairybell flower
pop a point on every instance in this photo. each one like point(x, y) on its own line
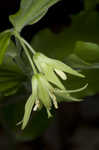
point(52, 67)
point(42, 94)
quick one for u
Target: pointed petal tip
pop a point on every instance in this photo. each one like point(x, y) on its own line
point(77, 100)
point(19, 123)
point(49, 114)
point(23, 127)
point(61, 74)
point(81, 75)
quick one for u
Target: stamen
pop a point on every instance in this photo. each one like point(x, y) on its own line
point(37, 104)
point(61, 74)
point(54, 100)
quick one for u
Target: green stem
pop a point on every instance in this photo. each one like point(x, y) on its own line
point(28, 55)
point(26, 51)
point(28, 45)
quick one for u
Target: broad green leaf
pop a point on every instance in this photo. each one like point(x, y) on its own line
point(30, 12)
point(39, 17)
point(4, 42)
point(29, 104)
point(87, 51)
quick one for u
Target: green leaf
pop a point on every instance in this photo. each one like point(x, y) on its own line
point(87, 51)
point(39, 17)
point(4, 42)
point(30, 12)
point(30, 103)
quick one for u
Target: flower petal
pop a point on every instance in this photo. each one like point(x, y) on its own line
point(64, 96)
point(63, 67)
point(51, 76)
point(30, 102)
point(78, 90)
point(43, 92)
point(61, 74)
point(55, 64)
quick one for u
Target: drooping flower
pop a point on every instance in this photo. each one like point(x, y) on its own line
point(46, 85)
point(52, 67)
point(42, 94)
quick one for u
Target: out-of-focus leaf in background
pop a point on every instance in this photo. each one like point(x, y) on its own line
point(89, 52)
point(4, 42)
point(84, 27)
point(90, 4)
point(92, 78)
point(11, 76)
